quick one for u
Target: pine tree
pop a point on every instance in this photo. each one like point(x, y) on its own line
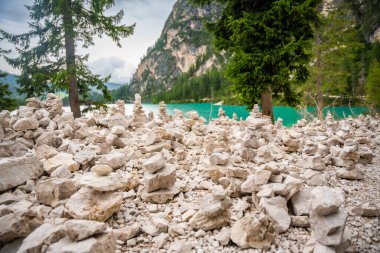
point(373, 84)
point(269, 41)
point(336, 46)
point(59, 27)
point(6, 100)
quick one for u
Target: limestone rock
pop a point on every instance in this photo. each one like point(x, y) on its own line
point(223, 237)
point(299, 221)
point(157, 147)
point(8, 149)
point(92, 205)
point(262, 177)
point(115, 159)
point(161, 196)
point(16, 171)
point(102, 169)
point(42, 237)
point(219, 159)
point(301, 202)
point(78, 230)
point(154, 163)
point(161, 179)
point(61, 172)
point(84, 156)
point(325, 200)
point(111, 182)
point(367, 210)
point(152, 137)
point(16, 225)
point(328, 229)
point(201, 221)
point(254, 231)
point(61, 159)
point(128, 232)
point(354, 174)
point(50, 192)
point(102, 243)
point(277, 211)
point(26, 124)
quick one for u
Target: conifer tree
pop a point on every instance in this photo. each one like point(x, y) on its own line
point(269, 41)
point(48, 56)
point(373, 85)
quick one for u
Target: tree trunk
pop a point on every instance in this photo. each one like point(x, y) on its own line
point(267, 104)
point(70, 59)
point(319, 78)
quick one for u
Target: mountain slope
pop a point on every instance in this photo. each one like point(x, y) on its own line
point(184, 46)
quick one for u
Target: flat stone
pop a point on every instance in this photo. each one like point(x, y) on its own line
point(102, 243)
point(154, 163)
point(42, 237)
point(78, 230)
point(367, 210)
point(16, 171)
point(26, 124)
point(128, 232)
point(157, 147)
point(254, 231)
point(111, 182)
point(277, 211)
point(51, 191)
point(151, 138)
point(61, 159)
point(354, 174)
point(328, 229)
point(325, 200)
point(93, 205)
point(162, 179)
point(201, 221)
point(84, 156)
point(45, 151)
point(161, 196)
point(299, 221)
point(61, 172)
point(102, 169)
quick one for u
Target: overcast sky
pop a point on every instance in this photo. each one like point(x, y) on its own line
point(105, 57)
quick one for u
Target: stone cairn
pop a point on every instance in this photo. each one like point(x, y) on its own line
point(162, 113)
point(221, 113)
point(159, 180)
point(139, 117)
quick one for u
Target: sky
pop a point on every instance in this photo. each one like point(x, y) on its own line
point(105, 57)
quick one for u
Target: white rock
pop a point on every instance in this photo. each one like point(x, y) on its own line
point(277, 210)
point(118, 130)
point(254, 231)
point(219, 158)
point(325, 200)
point(162, 179)
point(26, 124)
point(102, 169)
point(301, 202)
point(223, 237)
point(16, 171)
point(154, 163)
point(61, 159)
point(50, 192)
point(92, 205)
point(78, 230)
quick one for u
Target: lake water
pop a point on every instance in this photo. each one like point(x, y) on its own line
point(289, 114)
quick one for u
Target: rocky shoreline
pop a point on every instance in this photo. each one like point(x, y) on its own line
point(117, 183)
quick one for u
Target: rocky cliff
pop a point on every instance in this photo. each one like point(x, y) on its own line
point(184, 45)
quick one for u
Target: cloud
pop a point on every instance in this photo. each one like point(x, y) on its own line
point(121, 71)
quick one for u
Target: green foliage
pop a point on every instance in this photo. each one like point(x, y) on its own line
point(6, 101)
point(211, 86)
point(337, 49)
point(367, 13)
point(269, 41)
point(373, 84)
point(44, 57)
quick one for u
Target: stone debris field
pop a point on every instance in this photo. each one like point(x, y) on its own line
point(117, 181)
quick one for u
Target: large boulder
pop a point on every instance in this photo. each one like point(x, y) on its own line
point(89, 204)
point(17, 170)
point(254, 231)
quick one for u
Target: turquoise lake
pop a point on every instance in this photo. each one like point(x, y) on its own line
point(289, 114)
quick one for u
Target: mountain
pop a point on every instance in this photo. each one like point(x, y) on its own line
point(184, 47)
